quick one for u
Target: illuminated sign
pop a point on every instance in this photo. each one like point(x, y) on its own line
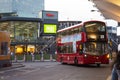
point(50, 28)
point(50, 15)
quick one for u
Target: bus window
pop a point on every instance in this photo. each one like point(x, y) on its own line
point(65, 48)
point(80, 29)
point(95, 48)
point(95, 27)
point(75, 30)
point(69, 32)
point(59, 35)
point(59, 49)
point(81, 48)
point(70, 49)
point(4, 48)
point(101, 28)
point(72, 31)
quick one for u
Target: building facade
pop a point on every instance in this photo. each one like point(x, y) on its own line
point(20, 19)
point(112, 31)
point(64, 24)
point(23, 33)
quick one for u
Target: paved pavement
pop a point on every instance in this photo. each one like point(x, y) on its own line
point(14, 65)
point(20, 64)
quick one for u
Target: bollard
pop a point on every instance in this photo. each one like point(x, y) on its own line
point(33, 57)
point(51, 59)
point(15, 58)
point(24, 58)
point(42, 57)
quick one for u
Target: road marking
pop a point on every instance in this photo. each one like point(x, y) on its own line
point(1, 72)
point(2, 78)
point(109, 77)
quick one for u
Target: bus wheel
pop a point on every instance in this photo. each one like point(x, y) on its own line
point(75, 61)
point(98, 65)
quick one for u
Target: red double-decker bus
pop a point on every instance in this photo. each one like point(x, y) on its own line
point(84, 43)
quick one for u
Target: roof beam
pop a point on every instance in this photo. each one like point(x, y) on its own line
point(109, 8)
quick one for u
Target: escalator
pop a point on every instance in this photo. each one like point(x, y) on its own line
point(49, 45)
point(114, 44)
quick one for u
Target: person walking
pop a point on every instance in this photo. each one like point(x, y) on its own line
point(115, 75)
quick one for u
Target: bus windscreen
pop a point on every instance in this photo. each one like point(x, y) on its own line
point(95, 31)
point(95, 27)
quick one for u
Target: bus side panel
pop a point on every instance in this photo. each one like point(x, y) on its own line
point(59, 56)
point(91, 59)
point(80, 59)
point(4, 57)
point(104, 59)
point(5, 61)
point(66, 58)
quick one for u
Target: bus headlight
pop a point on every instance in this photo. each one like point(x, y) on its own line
point(108, 56)
point(85, 55)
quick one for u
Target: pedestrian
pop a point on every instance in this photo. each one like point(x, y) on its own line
point(116, 67)
point(12, 54)
point(118, 47)
point(42, 55)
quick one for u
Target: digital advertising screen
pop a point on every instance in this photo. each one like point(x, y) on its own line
point(50, 28)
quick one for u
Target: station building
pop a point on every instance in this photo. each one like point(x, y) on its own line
point(64, 24)
point(21, 19)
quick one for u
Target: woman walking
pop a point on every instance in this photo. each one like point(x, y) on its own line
point(116, 67)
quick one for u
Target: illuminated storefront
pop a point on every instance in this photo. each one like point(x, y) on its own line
point(30, 34)
point(24, 33)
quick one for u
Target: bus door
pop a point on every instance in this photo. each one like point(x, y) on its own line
point(79, 47)
point(80, 52)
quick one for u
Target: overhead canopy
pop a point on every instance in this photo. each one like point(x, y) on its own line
point(109, 8)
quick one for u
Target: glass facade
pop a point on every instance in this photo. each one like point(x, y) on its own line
point(20, 31)
point(23, 8)
point(5, 6)
point(23, 33)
